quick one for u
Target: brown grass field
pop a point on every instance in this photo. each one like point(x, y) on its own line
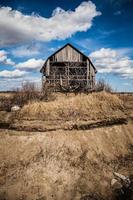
point(66, 148)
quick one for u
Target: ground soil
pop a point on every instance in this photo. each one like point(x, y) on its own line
point(55, 160)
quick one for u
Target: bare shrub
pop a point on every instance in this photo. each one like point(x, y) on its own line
point(5, 103)
point(28, 92)
point(102, 85)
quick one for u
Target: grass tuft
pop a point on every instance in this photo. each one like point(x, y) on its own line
point(81, 107)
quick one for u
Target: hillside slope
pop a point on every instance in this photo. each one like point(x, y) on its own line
point(64, 163)
point(70, 112)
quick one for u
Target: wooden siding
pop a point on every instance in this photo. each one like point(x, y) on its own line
point(68, 54)
point(47, 68)
point(68, 68)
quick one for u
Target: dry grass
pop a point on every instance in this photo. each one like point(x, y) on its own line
point(6, 94)
point(128, 103)
point(28, 92)
point(81, 107)
point(62, 165)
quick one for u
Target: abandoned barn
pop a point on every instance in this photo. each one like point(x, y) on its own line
point(68, 69)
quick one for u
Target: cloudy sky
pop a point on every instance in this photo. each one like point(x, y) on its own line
point(32, 30)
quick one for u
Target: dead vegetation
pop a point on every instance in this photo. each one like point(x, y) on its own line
point(62, 165)
point(102, 85)
point(80, 107)
point(69, 112)
point(76, 156)
point(28, 92)
point(128, 103)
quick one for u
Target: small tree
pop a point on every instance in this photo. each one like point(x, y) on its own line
point(28, 92)
point(102, 85)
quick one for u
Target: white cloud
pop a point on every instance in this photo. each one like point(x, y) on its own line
point(127, 84)
point(2, 55)
point(16, 27)
point(3, 58)
point(119, 12)
point(12, 74)
point(52, 49)
point(113, 61)
point(14, 83)
point(104, 53)
point(26, 51)
point(31, 64)
point(8, 61)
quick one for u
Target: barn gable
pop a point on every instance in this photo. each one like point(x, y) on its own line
point(68, 68)
point(67, 53)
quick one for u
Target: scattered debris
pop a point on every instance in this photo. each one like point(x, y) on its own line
point(123, 179)
point(15, 108)
point(122, 187)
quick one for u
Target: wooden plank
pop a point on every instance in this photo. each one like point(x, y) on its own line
point(67, 65)
point(68, 54)
point(87, 73)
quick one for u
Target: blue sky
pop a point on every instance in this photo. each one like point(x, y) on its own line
point(32, 30)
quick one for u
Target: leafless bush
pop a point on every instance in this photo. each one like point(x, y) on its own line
point(102, 85)
point(5, 103)
point(28, 92)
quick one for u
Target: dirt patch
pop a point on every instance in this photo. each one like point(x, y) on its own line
point(99, 124)
point(45, 126)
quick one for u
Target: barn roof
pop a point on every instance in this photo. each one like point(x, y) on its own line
point(68, 44)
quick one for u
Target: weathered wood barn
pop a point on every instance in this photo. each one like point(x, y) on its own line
point(68, 69)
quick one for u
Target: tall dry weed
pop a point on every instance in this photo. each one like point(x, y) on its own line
point(80, 107)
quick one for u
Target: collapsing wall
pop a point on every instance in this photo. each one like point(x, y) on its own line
point(68, 69)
